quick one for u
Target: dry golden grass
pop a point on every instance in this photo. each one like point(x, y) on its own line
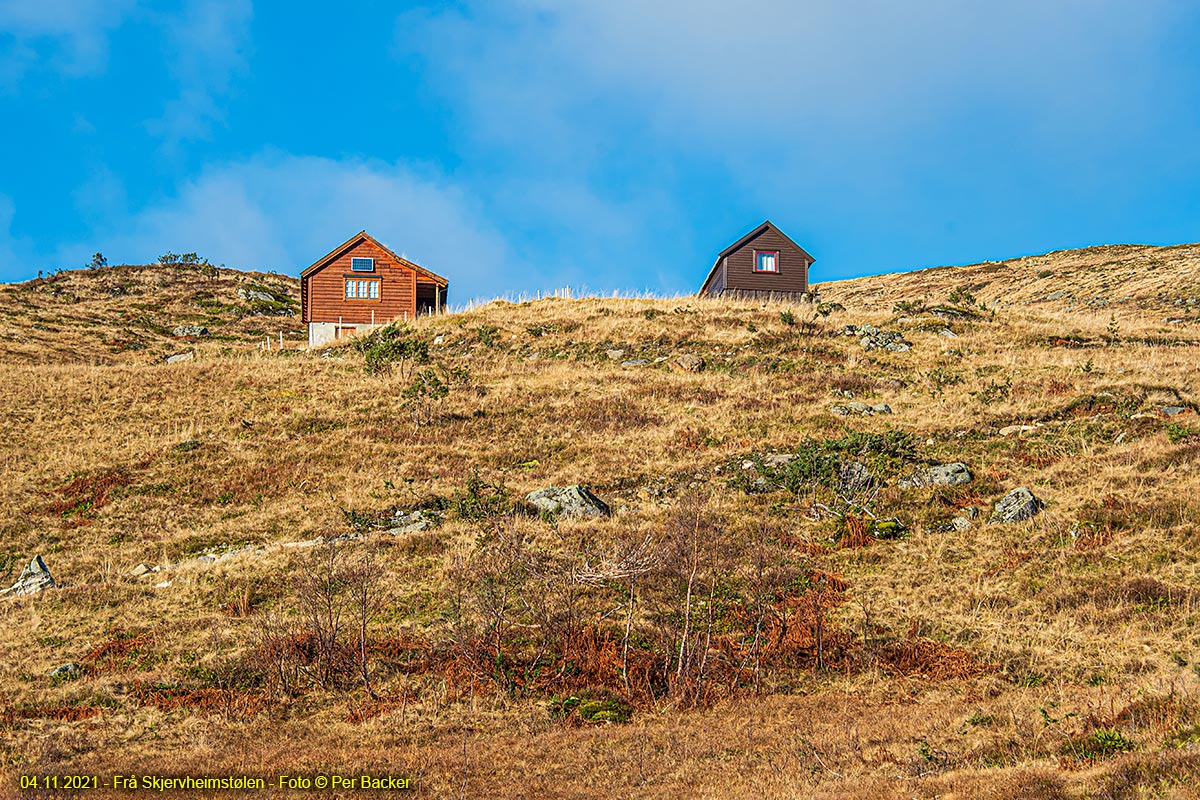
point(984, 663)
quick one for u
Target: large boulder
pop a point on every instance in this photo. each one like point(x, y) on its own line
point(872, 338)
point(939, 475)
point(568, 501)
point(189, 330)
point(1016, 506)
point(255, 294)
point(34, 578)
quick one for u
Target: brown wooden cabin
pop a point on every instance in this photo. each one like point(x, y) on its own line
point(361, 285)
point(763, 263)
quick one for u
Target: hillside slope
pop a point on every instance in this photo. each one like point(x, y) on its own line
point(129, 313)
point(771, 608)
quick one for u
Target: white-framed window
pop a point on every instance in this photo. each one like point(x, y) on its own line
point(766, 261)
point(362, 264)
point(362, 290)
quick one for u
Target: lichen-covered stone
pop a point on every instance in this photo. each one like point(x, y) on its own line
point(1016, 506)
point(568, 501)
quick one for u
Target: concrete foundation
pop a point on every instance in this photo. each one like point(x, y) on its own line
point(320, 333)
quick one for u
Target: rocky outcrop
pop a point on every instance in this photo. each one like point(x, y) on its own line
point(860, 408)
point(65, 672)
point(255, 294)
point(412, 522)
point(568, 501)
point(872, 338)
point(1016, 506)
point(189, 330)
point(34, 578)
point(1009, 430)
point(688, 363)
point(854, 477)
point(939, 475)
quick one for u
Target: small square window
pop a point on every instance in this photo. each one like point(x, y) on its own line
point(374, 289)
point(362, 264)
point(350, 290)
point(766, 261)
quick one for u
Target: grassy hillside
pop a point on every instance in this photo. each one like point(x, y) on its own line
point(767, 611)
point(128, 314)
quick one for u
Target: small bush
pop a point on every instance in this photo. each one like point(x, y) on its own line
point(392, 346)
point(590, 706)
point(1100, 743)
point(169, 259)
point(481, 500)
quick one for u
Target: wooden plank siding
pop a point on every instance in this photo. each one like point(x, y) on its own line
point(324, 295)
point(733, 272)
point(792, 265)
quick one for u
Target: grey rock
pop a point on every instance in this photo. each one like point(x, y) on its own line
point(254, 294)
point(1056, 295)
point(411, 522)
point(1016, 506)
point(690, 363)
point(65, 672)
point(178, 357)
point(439, 339)
point(34, 578)
point(872, 338)
point(140, 570)
point(637, 362)
point(775, 460)
point(1174, 411)
point(568, 501)
point(960, 524)
point(616, 354)
point(857, 407)
point(939, 475)
point(1009, 430)
point(949, 334)
point(189, 330)
point(854, 477)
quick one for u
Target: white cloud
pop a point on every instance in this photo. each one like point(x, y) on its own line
point(207, 46)
point(917, 116)
point(778, 70)
point(67, 36)
point(281, 212)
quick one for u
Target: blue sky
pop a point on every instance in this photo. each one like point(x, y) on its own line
point(528, 145)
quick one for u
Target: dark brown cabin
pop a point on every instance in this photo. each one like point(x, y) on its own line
point(361, 285)
point(763, 263)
